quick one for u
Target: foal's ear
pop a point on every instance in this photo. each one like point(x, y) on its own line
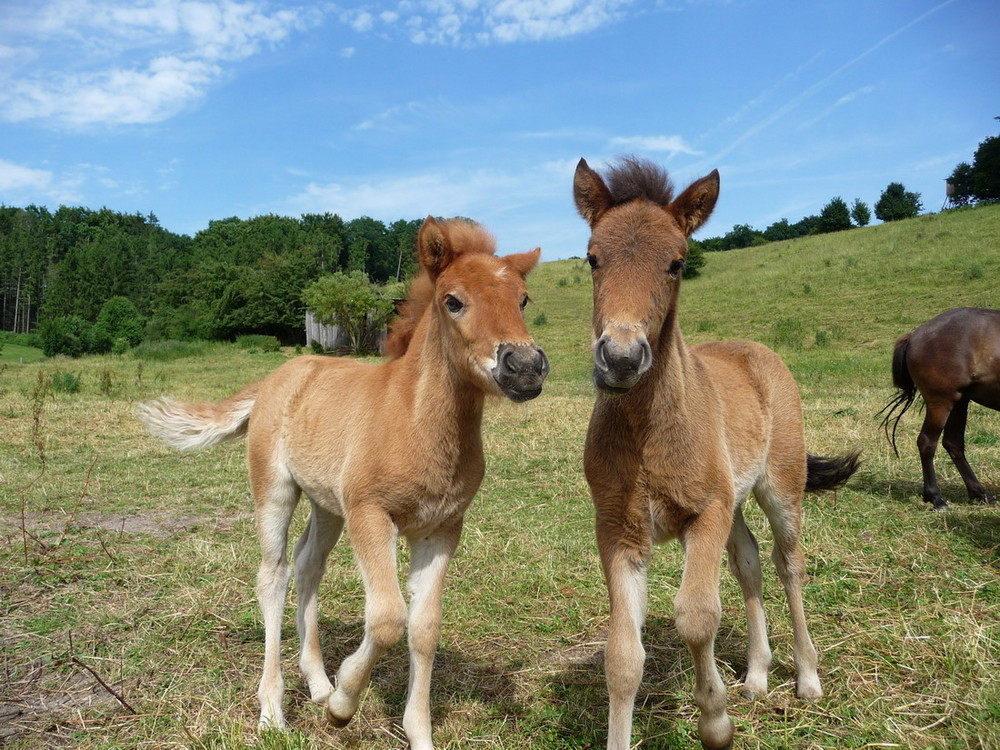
point(692, 208)
point(433, 247)
point(524, 262)
point(590, 193)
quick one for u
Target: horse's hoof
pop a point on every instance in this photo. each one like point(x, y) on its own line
point(336, 722)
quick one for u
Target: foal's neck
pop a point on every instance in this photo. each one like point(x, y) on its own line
point(442, 400)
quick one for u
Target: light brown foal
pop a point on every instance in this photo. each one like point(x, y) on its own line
point(391, 448)
point(678, 437)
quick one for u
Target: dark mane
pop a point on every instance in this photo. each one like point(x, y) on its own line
point(633, 178)
point(465, 237)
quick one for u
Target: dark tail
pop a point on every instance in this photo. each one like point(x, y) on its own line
point(828, 473)
point(902, 401)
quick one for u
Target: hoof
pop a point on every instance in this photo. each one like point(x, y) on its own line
point(336, 722)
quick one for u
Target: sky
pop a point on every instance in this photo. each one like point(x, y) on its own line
point(198, 110)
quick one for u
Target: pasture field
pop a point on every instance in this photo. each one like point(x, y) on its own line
point(127, 609)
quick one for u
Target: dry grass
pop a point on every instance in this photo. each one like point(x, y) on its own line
point(123, 556)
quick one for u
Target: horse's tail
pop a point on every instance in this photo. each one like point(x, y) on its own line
point(199, 425)
point(829, 472)
point(902, 401)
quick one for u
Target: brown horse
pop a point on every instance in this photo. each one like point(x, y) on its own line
point(391, 448)
point(678, 436)
point(951, 359)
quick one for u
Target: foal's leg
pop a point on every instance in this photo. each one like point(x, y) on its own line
point(784, 512)
point(276, 501)
point(698, 611)
point(311, 551)
point(744, 562)
point(428, 565)
point(373, 537)
point(934, 421)
point(954, 442)
point(624, 561)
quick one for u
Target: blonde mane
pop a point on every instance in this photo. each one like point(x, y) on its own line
point(466, 238)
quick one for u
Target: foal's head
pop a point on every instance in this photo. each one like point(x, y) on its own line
point(637, 248)
point(478, 300)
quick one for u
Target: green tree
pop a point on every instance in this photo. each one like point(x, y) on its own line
point(835, 217)
point(67, 334)
point(780, 230)
point(350, 301)
point(860, 212)
point(986, 170)
point(897, 203)
point(695, 259)
point(119, 326)
point(961, 186)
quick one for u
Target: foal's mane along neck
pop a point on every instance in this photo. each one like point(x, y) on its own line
point(466, 238)
point(633, 178)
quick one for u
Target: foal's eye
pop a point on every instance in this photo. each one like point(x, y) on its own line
point(524, 302)
point(676, 267)
point(592, 260)
point(454, 304)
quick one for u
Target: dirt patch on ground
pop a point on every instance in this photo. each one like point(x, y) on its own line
point(27, 709)
point(159, 525)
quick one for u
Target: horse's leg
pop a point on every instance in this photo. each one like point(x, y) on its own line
point(428, 565)
point(954, 442)
point(698, 611)
point(934, 422)
point(624, 561)
point(784, 513)
point(744, 562)
point(373, 537)
point(311, 551)
point(276, 500)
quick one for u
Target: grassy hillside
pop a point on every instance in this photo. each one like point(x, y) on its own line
point(120, 555)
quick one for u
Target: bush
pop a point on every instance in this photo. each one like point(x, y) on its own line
point(65, 382)
point(118, 320)
point(260, 342)
point(68, 334)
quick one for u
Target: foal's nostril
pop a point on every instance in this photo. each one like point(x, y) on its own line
point(542, 362)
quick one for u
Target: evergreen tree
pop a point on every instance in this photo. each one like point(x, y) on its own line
point(835, 217)
point(860, 212)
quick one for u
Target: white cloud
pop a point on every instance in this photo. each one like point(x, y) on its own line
point(476, 22)
point(121, 63)
point(670, 144)
point(124, 97)
point(14, 177)
point(20, 184)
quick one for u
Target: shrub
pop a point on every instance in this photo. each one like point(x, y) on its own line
point(68, 334)
point(259, 342)
point(118, 319)
point(65, 382)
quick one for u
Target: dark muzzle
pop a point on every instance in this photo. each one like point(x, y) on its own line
point(520, 370)
point(617, 365)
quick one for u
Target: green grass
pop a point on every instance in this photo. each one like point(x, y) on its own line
point(121, 554)
point(17, 353)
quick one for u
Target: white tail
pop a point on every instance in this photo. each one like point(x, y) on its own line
point(196, 426)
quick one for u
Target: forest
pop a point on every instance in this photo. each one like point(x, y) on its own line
point(236, 276)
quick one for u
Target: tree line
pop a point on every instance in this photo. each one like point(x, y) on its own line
point(895, 202)
point(236, 276)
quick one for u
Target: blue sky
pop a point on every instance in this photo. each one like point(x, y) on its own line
point(201, 110)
